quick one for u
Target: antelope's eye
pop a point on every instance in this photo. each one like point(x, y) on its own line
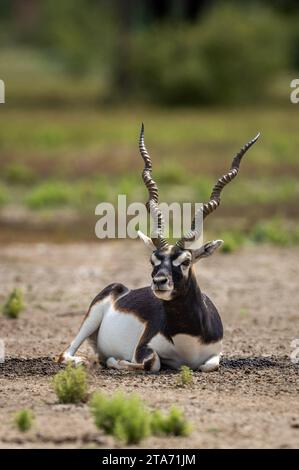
point(186, 263)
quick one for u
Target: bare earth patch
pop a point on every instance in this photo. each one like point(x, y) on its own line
point(252, 401)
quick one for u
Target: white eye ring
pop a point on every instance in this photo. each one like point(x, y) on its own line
point(181, 259)
point(155, 261)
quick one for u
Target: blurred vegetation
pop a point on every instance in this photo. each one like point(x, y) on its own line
point(24, 420)
point(81, 75)
point(211, 62)
point(127, 418)
point(180, 52)
point(276, 231)
point(14, 304)
point(172, 424)
point(77, 159)
point(3, 195)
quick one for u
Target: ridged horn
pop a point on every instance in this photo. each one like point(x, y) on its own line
point(215, 199)
point(153, 200)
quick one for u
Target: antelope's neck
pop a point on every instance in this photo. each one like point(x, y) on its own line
point(188, 310)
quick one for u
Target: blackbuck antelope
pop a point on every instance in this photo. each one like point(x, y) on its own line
point(170, 322)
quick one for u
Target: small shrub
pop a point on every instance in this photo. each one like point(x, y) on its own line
point(180, 64)
point(70, 384)
point(24, 420)
point(14, 304)
point(105, 411)
point(134, 423)
point(272, 231)
point(186, 376)
point(127, 418)
point(172, 424)
point(157, 423)
point(232, 241)
point(47, 195)
point(18, 173)
point(124, 417)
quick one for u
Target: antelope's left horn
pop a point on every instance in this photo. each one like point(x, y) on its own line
point(153, 201)
point(214, 201)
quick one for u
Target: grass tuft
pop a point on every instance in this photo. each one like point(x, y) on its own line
point(233, 240)
point(70, 385)
point(24, 420)
point(185, 377)
point(48, 195)
point(14, 304)
point(271, 231)
point(174, 423)
point(125, 417)
point(18, 173)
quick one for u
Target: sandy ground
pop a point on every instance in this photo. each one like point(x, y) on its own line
point(252, 401)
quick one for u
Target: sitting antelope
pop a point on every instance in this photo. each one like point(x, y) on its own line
point(170, 322)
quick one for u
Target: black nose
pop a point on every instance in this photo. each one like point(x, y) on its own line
point(160, 280)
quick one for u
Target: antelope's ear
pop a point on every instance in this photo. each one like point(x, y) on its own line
point(206, 250)
point(146, 240)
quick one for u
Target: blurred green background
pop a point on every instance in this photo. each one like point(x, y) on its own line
point(204, 77)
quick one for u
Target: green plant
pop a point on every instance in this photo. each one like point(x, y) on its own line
point(185, 377)
point(125, 417)
point(172, 424)
point(232, 241)
point(106, 410)
point(70, 385)
point(134, 423)
point(176, 63)
point(18, 173)
point(14, 304)
point(24, 420)
point(271, 231)
point(50, 194)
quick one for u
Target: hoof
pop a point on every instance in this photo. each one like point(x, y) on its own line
point(67, 359)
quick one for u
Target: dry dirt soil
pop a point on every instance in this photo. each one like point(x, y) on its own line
point(252, 401)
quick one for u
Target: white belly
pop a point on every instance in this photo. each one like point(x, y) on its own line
point(185, 350)
point(119, 334)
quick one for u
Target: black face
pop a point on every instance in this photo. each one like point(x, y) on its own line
point(171, 271)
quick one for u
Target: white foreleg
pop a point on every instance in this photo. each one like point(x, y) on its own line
point(90, 324)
